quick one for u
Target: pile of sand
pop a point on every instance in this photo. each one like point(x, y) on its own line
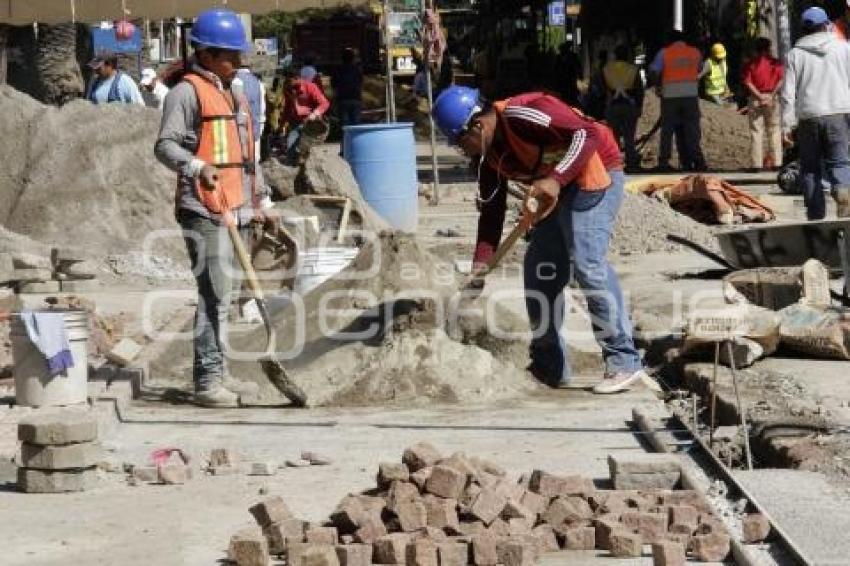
point(725, 135)
point(84, 174)
point(644, 223)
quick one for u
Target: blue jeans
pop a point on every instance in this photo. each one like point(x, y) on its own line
point(292, 139)
point(349, 112)
point(573, 241)
point(823, 144)
point(218, 277)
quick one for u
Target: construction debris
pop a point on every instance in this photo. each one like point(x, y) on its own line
point(464, 514)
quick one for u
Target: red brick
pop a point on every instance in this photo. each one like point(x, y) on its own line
point(546, 539)
point(420, 455)
point(668, 553)
point(516, 553)
point(712, 547)
point(452, 553)
point(422, 552)
point(391, 472)
point(270, 510)
point(484, 550)
point(322, 535)
point(446, 482)
point(248, 547)
point(488, 505)
point(371, 529)
point(626, 545)
point(756, 528)
point(567, 510)
point(391, 549)
point(354, 554)
point(580, 538)
point(411, 515)
point(442, 513)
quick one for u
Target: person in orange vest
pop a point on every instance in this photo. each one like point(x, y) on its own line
point(573, 166)
point(206, 137)
point(677, 68)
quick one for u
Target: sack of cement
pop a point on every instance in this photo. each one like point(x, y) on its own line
point(820, 331)
point(754, 332)
point(771, 287)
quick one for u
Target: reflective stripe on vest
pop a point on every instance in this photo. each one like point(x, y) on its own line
point(534, 161)
point(715, 81)
point(219, 145)
point(680, 74)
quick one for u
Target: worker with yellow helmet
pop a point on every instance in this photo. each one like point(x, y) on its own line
point(714, 74)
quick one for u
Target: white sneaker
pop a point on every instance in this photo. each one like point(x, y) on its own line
point(218, 397)
point(623, 381)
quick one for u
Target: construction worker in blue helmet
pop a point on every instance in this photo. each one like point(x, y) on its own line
point(574, 173)
point(206, 137)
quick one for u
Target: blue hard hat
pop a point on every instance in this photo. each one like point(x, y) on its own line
point(814, 16)
point(454, 108)
point(219, 28)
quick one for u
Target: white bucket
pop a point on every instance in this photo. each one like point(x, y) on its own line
point(33, 385)
point(317, 265)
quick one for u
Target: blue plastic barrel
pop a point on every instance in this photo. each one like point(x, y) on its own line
point(383, 160)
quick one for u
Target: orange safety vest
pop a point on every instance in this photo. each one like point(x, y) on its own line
point(681, 64)
point(539, 161)
point(219, 145)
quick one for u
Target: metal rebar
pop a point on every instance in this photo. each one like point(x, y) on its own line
point(713, 396)
point(745, 433)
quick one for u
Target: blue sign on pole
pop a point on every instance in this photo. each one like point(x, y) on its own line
point(103, 39)
point(557, 13)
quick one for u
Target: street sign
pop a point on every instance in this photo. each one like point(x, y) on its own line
point(557, 13)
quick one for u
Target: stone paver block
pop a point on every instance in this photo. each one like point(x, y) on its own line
point(472, 528)
point(263, 469)
point(391, 472)
point(650, 526)
point(354, 554)
point(147, 474)
point(626, 545)
point(484, 552)
point(567, 510)
point(683, 515)
point(401, 491)
point(322, 535)
point(442, 513)
point(60, 427)
point(56, 481)
point(712, 547)
point(124, 352)
point(412, 515)
point(606, 526)
point(248, 547)
point(281, 535)
point(534, 502)
point(348, 515)
point(420, 477)
point(516, 552)
point(419, 456)
point(644, 471)
point(80, 455)
point(270, 510)
point(488, 505)
point(550, 485)
point(668, 553)
point(756, 528)
point(452, 553)
point(311, 554)
point(580, 538)
point(222, 457)
point(371, 529)
point(391, 549)
point(546, 539)
point(422, 552)
point(446, 482)
point(174, 474)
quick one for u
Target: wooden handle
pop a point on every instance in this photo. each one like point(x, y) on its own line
point(518, 232)
point(245, 261)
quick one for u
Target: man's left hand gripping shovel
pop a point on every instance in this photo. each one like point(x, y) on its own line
point(272, 367)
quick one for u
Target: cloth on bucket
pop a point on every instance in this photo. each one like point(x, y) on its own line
point(711, 200)
point(46, 330)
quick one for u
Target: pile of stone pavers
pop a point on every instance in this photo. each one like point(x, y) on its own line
point(59, 451)
point(429, 510)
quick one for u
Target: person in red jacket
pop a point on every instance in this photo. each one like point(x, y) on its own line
point(762, 77)
point(572, 164)
point(303, 101)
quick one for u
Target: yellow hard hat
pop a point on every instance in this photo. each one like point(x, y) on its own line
point(718, 51)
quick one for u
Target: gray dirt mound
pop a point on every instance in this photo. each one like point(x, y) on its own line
point(725, 135)
point(643, 224)
point(379, 332)
point(84, 173)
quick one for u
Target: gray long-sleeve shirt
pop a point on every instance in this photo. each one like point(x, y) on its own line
point(177, 143)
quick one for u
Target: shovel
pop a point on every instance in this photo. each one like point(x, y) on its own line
point(272, 367)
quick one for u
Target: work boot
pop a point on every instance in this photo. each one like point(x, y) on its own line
point(240, 387)
point(218, 397)
point(623, 381)
point(841, 194)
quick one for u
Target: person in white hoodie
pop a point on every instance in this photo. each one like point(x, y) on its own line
point(815, 98)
